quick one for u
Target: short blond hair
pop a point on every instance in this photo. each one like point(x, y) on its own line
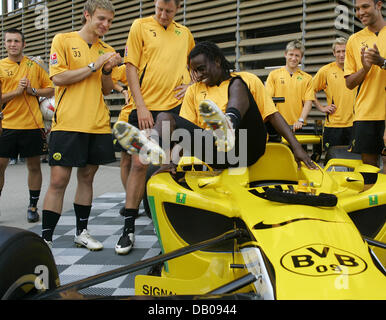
point(339, 41)
point(296, 44)
point(91, 5)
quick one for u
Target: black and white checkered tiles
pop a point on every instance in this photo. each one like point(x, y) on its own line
point(105, 225)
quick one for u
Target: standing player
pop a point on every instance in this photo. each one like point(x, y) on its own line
point(23, 81)
point(340, 100)
point(365, 66)
point(80, 66)
point(156, 61)
point(294, 85)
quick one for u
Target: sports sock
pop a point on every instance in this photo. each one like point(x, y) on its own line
point(235, 117)
point(49, 221)
point(33, 198)
point(82, 213)
point(130, 216)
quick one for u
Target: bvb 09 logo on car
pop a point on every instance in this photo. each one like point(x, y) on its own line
point(322, 260)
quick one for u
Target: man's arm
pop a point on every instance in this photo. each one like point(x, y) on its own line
point(122, 90)
point(43, 92)
point(355, 79)
point(283, 129)
point(306, 110)
point(74, 76)
point(107, 68)
point(145, 118)
point(330, 109)
point(6, 97)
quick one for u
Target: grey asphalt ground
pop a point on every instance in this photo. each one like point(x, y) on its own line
point(14, 199)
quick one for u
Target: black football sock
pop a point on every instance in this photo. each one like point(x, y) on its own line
point(235, 117)
point(33, 198)
point(130, 216)
point(49, 221)
point(82, 213)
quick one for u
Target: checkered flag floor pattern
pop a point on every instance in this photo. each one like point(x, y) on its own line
point(105, 225)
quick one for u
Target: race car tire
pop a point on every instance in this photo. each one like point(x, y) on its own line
point(321, 200)
point(27, 265)
point(340, 152)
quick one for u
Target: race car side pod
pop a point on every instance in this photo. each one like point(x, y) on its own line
point(375, 243)
point(116, 273)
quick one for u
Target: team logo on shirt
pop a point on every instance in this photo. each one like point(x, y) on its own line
point(30, 63)
point(57, 156)
point(299, 78)
point(178, 32)
point(154, 33)
point(53, 59)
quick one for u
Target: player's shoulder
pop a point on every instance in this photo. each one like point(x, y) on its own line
point(277, 71)
point(143, 21)
point(304, 74)
point(246, 76)
point(4, 61)
point(105, 46)
point(65, 36)
point(180, 26)
point(327, 67)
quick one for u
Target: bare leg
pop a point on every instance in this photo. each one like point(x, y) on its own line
point(125, 166)
point(84, 190)
point(135, 186)
point(3, 165)
point(34, 173)
point(60, 176)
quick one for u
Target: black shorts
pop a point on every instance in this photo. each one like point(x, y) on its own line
point(368, 137)
point(77, 149)
point(336, 137)
point(26, 143)
point(133, 120)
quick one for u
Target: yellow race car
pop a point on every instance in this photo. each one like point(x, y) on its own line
point(269, 231)
point(300, 233)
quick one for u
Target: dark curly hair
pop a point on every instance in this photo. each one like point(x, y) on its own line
point(213, 53)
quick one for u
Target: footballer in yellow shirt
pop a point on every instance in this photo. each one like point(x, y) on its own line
point(340, 100)
point(80, 66)
point(364, 67)
point(246, 104)
point(294, 85)
point(23, 81)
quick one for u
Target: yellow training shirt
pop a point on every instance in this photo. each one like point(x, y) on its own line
point(296, 89)
point(23, 112)
point(330, 78)
point(161, 57)
point(119, 74)
point(80, 107)
point(219, 95)
point(370, 101)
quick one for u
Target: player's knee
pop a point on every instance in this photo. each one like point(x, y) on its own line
point(138, 165)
